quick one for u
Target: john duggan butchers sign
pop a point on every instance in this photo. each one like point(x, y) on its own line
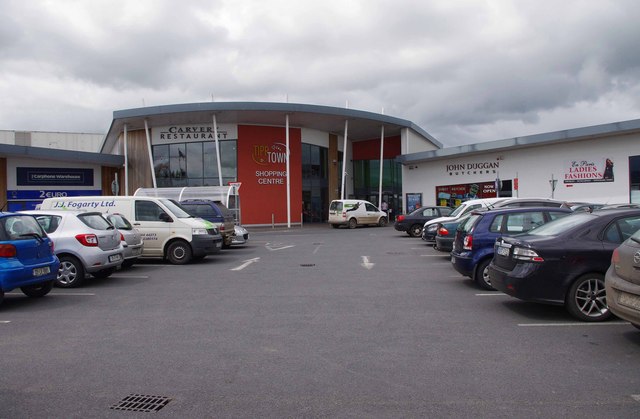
point(473, 168)
point(588, 170)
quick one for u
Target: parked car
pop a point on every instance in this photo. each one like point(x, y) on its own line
point(429, 229)
point(529, 202)
point(564, 262)
point(27, 259)
point(473, 244)
point(623, 205)
point(584, 206)
point(215, 212)
point(240, 237)
point(85, 242)
point(622, 281)
point(130, 237)
point(355, 212)
point(446, 233)
point(413, 223)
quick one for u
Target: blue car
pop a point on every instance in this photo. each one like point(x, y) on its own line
point(27, 260)
point(473, 244)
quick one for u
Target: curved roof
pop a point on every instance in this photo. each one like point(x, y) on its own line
point(362, 125)
point(548, 138)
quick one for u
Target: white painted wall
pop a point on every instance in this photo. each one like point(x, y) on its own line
point(315, 137)
point(412, 142)
point(534, 166)
point(67, 141)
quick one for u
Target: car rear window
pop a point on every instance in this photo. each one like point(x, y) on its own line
point(336, 206)
point(95, 221)
point(19, 227)
point(49, 223)
point(471, 222)
point(120, 222)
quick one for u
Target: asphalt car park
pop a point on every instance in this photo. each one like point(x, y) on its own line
point(310, 322)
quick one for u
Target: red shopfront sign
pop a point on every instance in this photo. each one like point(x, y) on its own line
point(262, 169)
point(454, 195)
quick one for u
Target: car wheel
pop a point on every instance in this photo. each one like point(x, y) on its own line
point(128, 263)
point(587, 299)
point(382, 222)
point(104, 273)
point(482, 275)
point(353, 223)
point(415, 230)
point(38, 290)
point(179, 252)
point(71, 272)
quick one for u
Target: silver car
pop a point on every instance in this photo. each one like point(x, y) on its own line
point(130, 237)
point(240, 237)
point(85, 242)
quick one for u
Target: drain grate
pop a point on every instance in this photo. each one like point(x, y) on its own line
point(307, 265)
point(142, 403)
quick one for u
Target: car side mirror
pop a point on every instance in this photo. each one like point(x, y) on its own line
point(165, 217)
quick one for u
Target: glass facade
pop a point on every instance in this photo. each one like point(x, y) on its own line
point(634, 179)
point(315, 183)
point(366, 174)
point(194, 164)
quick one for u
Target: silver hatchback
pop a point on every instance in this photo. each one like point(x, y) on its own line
point(85, 242)
point(130, 237)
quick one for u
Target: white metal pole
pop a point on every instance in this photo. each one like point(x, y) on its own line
point(344, 157)
point(288, 175)
point(381, 164)
point(153, 172)
point(215, 134)
point(126, 163)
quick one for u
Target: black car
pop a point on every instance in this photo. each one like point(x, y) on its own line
point(412, 223)
point(564, 262)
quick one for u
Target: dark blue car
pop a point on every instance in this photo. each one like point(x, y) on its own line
point(27, 260)
point(473, 244)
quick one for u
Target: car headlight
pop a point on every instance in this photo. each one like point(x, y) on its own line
point(198, 231)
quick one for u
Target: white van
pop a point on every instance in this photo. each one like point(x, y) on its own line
point(354, 212)
point(167, 229)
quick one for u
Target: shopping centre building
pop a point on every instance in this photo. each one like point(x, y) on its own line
point(288, 159)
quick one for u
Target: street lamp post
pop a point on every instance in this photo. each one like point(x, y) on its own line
point(552, 183)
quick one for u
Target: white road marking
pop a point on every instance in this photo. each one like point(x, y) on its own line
point(365, 262)
point(245, 264)
point(636, 397)
point(316, 249)
point(573, 324)
point(277, 246)
point(5, 321)
point(492, 294)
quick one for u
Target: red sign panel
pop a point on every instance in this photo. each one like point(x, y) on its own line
point(262, 169)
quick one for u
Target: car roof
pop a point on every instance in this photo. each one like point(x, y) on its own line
point(508, 210)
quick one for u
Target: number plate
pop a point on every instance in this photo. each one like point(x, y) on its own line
point(115, 258)
point(41, 271)
point(629, 300)
point(503, 251)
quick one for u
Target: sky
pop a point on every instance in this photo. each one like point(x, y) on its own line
point(466, 71)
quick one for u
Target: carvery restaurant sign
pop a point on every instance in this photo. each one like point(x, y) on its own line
point(262, 169)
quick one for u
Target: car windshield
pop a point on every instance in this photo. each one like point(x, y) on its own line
point(458, 211)
point(177, 209)
point(560, 225)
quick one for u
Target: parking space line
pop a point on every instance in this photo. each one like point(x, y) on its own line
point(573, 324)
point(5, 321)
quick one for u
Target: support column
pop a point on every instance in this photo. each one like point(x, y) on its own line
point(288, 174)
point(215, 133)
point(381, 164)
point(126, 162)
point(344, 158)
point(153, 172)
